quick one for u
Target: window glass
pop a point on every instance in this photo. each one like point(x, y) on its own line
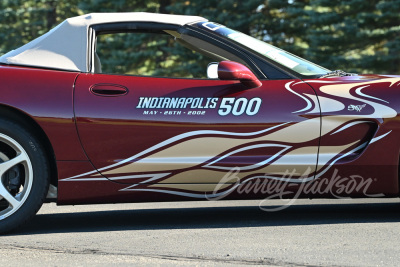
point(271, 52)
point(160, 54)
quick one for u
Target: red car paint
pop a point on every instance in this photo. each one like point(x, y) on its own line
point(110, 129)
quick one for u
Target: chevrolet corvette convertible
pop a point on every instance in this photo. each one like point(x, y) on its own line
point(139, 107)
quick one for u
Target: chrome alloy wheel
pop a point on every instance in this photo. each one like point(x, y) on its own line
point(16, 176)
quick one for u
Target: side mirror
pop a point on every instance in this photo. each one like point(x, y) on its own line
point(229, 70)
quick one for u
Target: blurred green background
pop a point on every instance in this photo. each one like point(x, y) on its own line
point(354, 35)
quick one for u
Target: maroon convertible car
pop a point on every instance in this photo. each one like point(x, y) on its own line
point(246, 120)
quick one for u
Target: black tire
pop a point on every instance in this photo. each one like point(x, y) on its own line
point(27, 181)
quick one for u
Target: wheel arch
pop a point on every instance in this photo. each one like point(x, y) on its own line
point(28, 122)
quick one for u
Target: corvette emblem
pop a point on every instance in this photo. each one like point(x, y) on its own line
point(357, 108)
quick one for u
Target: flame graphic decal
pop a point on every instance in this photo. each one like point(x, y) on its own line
point(168, 167)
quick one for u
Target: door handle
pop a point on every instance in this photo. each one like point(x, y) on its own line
point(108, 89)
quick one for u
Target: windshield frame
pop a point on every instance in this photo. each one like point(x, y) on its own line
point(209, 31)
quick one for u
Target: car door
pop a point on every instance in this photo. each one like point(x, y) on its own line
point(188, 132)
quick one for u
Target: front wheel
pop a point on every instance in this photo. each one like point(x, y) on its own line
point(24, 175)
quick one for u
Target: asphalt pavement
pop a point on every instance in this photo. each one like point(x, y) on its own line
point(362, 232)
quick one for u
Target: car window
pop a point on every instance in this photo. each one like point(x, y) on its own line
point(160, 54)
point(284, 58)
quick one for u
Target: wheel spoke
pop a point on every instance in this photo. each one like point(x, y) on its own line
point(5, 166)
point(16, 174)
point(7, 196)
